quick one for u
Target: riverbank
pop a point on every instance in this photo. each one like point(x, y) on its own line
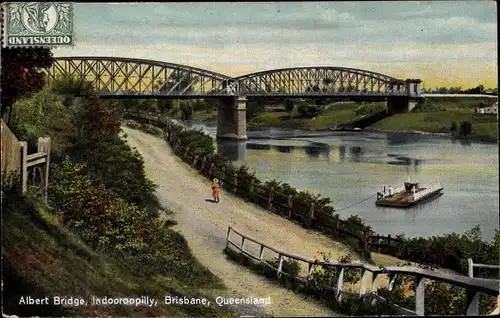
point(437, 117)
point(484, 128)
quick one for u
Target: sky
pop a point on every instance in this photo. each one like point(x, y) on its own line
point(444, 43)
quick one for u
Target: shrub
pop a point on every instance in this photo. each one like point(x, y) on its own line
point(465, 129)
point(97, 214)
point(289, 266)
point(453, 127)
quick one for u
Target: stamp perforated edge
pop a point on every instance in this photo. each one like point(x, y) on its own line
point(4, 22)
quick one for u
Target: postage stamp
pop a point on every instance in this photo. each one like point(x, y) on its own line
point(45, 24)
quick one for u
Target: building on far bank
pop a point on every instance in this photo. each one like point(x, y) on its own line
point(493, 109)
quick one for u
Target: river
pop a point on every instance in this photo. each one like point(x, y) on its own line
point(349, 167)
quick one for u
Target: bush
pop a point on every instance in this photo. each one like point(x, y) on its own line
point(289, 106)
point(465, 129)
point(453, 127)
point(289, 266)
point(100, 216)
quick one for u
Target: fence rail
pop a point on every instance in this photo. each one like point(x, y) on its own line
point(472, 265)
point(474, 286)
point(287, 206)
point(16, 160)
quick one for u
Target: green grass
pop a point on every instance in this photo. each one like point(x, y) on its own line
point(334, 115)
point(484, 127)
point(461, 103)
point(204, 115)
point(42, 258)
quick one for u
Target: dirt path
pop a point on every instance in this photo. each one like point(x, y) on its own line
point(204, 225)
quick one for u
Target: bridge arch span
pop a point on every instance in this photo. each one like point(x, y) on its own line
point(319, 80)
point(132, 77)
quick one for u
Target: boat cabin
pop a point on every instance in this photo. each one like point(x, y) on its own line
point(412, 186)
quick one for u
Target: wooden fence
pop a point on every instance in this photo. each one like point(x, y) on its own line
point(19, 162)
point(472, 265)
point(286, 206)
point(369, 274)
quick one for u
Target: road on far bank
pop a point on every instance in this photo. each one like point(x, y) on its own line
point(204, 225)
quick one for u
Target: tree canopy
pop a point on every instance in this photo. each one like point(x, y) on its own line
point(21, 75)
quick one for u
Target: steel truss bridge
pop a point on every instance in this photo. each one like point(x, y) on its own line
point(127, 77)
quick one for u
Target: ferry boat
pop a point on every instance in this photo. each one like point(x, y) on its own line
point(409, 195)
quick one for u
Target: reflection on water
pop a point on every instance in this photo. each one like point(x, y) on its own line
point(231, 150)
point(284, 149)
point(348, 167)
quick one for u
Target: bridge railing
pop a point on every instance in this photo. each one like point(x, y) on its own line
point(368, 282)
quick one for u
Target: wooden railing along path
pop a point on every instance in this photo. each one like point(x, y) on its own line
point(472, 265)
point(284, 205)
point(15, 159)
point(474, 286)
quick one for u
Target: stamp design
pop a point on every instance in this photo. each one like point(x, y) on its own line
point(38, 24)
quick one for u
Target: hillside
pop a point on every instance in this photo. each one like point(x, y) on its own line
point(41, 258)
point(437, 115)
point(103, 232)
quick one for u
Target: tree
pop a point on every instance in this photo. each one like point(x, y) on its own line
point(453, 127)
point(465, 128)
point(21, 75)
point(71, 87)
point(289, 105)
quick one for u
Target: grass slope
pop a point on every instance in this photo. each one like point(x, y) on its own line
point(333, 115)
point(447, 111)
point(41, 258)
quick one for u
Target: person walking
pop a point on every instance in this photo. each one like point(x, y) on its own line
point(216, 190)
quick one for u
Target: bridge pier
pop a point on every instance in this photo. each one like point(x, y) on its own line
point(231, 118)
point(399, 105)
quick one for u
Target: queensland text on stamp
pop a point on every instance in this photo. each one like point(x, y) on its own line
point(38, 24)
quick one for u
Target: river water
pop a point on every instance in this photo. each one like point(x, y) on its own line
point(350, 167)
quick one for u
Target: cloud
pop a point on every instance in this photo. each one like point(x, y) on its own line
point(237, 38)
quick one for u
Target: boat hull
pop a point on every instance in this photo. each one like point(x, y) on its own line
point(401, 200)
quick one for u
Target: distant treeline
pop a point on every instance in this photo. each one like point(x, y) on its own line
point(480, 89)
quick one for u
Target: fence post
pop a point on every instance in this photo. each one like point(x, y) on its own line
point(280, 264)
point(250, 193)
point(227, 237)
point(471, 267)
point(24, 164)
point(211, 168)
point(242, 242)
point(203, 164)
point(340, 283)
point(186, 154)
point(261, 254)
point(374, 282)
point(270, 200)
point(44, 146)
point(290, 206)
point(194, 161)
point(311, 214)
point(472, 302)
point(310, 269)
point(222, 173)
point(420, 296)
point(235, 183)
point(362, 283)
point(392, 280)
